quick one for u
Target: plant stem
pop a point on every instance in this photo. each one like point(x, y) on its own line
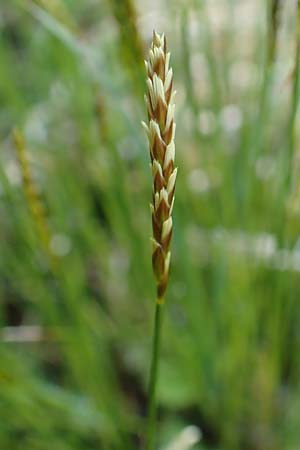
point(151, 425)
point(294, 104)
point(273, 17)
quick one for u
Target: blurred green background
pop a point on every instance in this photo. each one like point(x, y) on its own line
point(76, 287)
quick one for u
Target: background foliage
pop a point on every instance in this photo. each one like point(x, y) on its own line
point(77, 305)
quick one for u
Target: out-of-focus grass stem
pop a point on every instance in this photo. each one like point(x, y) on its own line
point(186, 56)
point(294, 105)
point(257, 142)
point(130, 41)
point(273, 30)
point(33, 200)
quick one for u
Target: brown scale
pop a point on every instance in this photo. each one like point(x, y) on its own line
point(161, 113)
point(158, 150)
point(159, 69)
point(158, 261)
point(167, 172)
point(167, 134)
point(162, 213)
point(159, 182)
point(168, 93)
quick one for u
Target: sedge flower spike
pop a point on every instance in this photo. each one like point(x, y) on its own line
point(161, 132)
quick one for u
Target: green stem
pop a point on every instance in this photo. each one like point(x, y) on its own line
point(294, 104)
point(291, 174)
point(151, 425)
point(273, 18)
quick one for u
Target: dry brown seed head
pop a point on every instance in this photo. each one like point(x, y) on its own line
point(161, 133)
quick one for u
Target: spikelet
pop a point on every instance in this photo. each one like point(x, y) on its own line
point(161, 132)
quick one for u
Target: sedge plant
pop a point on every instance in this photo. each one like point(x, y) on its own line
point(161, 132)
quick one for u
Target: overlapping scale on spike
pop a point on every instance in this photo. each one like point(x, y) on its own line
point(161, 133)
